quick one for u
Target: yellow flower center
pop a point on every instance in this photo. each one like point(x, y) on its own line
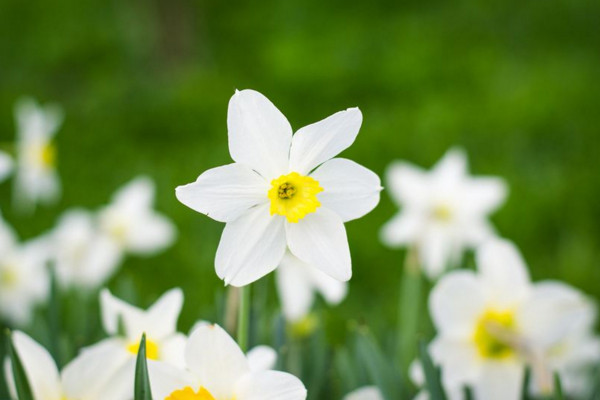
point(442, 213)
point(188, 393)
point(493, 332)
point(47, 155)
point(151, 349)
point(294, 196)
point(8, 277)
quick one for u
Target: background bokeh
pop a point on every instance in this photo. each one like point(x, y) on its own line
point(145, 86)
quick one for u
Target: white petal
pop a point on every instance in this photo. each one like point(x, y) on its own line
point(224, 193)
point(216, 360)
point(332, 290)
point(294, 287)
point(161, 318)
point(407, 183)
point(484, 194)
point(172, 350)
point(259, 134)
point(262, 358)
point(270, 385)
point(436, 250)
point(6, 166)
point(500, 381)
point(39, 366)
point(402, 229)
point(365, 393)
point(137, 193)
point(93, 369)
point(316, 143)
point(458, 360)
point(452, 168)
point(455, 304)
point(165, 379)
point(150, 233)
point(319, 239)
point(552, 311)
point(349, 189)
point(503, 272)
point(112, 309)
point(250, 247)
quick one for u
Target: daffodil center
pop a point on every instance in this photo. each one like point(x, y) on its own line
point(151, 349)
point(8, 277)
point(188, 393)
point(294, 196)
point(442, 213)
point(47, 155)
point(493, 334)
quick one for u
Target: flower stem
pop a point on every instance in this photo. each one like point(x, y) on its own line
point(243, 318)
point(408, 317)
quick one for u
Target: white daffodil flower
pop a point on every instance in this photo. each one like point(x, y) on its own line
point(365, 393)
point(6, 166)
point(114, 359)
point(262, 358)
point(297, 283)
point(131, 221)
point(283, 192)
point(36, 179)
point(24, 280)
point(217, 369)
point(83, 256)
point(76, 381)
point(444, 211)
point(493, 322)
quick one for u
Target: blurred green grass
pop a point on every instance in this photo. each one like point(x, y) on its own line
point(145, 87)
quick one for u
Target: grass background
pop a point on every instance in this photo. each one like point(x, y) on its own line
point(145, 86)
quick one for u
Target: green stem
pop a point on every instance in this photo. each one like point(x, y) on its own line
point(408, 318)
point(243, 318)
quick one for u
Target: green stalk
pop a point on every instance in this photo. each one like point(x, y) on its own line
point(408, 318)
point(243, 325)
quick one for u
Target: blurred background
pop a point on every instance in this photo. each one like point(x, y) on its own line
point(145, 86)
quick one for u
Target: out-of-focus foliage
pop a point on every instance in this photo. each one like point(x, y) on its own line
point(145, 84)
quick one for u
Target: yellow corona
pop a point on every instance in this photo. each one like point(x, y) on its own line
point(294, 196)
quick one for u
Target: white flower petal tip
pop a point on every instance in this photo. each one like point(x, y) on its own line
point(365, 393)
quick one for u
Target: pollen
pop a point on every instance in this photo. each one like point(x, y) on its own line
point(188, 393)
point(294, 196)
point(442, 213)
point(151, 349)
point(492, 332)
point(48, 155)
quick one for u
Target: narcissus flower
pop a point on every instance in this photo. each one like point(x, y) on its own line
point(131, 221)
point(36, 179)
point(217, 369)
point(494, 322)
point(444, 211)
point(75, 382)
point(283, 192)
point(115, 358)
point(365, 393)
point(297, 283)
point(24, 280)
point(83, 256)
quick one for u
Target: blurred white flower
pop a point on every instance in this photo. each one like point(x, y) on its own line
point(365, 393)
point(24, 280)
point(47, 383)
point(283, 191)
point(83, 256)
point(36, 179)
point(218, 369)
point(114, 358)
point(297, 283)
point(131, 221)
point(444, 211)
point(494, 322)
point(262, 358)
point(6, 166)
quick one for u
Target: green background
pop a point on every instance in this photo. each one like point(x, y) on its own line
point(145, 86)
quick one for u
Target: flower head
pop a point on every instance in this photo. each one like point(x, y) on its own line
point(36, 178)
point(284, 191)
point(493, 323)
point(443, 211)
point(216, 368)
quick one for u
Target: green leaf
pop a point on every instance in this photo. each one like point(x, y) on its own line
point(526, 383)
point(19, 376)
point(142, 380)
point(433, 380)
point(558, 392)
